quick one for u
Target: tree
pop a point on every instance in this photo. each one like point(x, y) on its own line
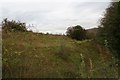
point(76, 32)
point(13, 26)
point(109, 29)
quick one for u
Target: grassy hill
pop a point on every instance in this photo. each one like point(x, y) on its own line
point(92, 32)
point(33, 55)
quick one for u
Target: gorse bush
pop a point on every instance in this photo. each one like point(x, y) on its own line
point(13, 26)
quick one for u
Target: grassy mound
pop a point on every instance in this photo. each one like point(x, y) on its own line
point(33, 55)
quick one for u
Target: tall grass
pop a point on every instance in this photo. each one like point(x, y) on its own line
point(30, 55)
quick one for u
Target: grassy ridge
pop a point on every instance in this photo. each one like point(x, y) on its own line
point(32, 55)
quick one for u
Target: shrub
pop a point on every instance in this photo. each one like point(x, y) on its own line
point(76, 32)
point(109, 29)
point(62, 51)
point(13, 26)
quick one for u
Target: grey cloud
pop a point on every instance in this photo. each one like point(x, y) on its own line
point(54, 16)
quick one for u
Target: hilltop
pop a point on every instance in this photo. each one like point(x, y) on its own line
point(92, 32)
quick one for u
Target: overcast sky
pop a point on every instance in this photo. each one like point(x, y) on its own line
point(54, 16)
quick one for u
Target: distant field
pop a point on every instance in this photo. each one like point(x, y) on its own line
point(32, 55)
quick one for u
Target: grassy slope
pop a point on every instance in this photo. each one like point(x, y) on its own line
point(35, 55)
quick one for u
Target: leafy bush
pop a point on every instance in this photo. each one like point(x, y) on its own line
point(76, 32)
point(13, 26)
point(109, 29)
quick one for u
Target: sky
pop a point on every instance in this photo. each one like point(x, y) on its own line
point(54, 16)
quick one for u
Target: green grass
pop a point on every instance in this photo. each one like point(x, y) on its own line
point(32, 55)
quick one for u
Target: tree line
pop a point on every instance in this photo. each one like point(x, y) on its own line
point(109, 28)
point(74, 32)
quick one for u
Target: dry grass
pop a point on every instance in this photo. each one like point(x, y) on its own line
point(30, 55)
